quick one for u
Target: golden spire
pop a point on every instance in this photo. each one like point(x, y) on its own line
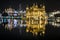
point(27, 8)
point(43, 6)
point(33, 5)
point(36, 5)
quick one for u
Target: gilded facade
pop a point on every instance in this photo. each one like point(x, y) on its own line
point(36, 19)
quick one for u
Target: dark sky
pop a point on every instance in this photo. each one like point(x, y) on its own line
point(50, 4)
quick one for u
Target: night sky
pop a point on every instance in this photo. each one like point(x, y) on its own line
point(15, 3)
point(50, 4)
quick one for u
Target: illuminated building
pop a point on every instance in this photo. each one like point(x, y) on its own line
point(15, 18)
point(36, 19)
point(4, 20)
point(54, 18)
point(10, 12)
point(23, 18)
